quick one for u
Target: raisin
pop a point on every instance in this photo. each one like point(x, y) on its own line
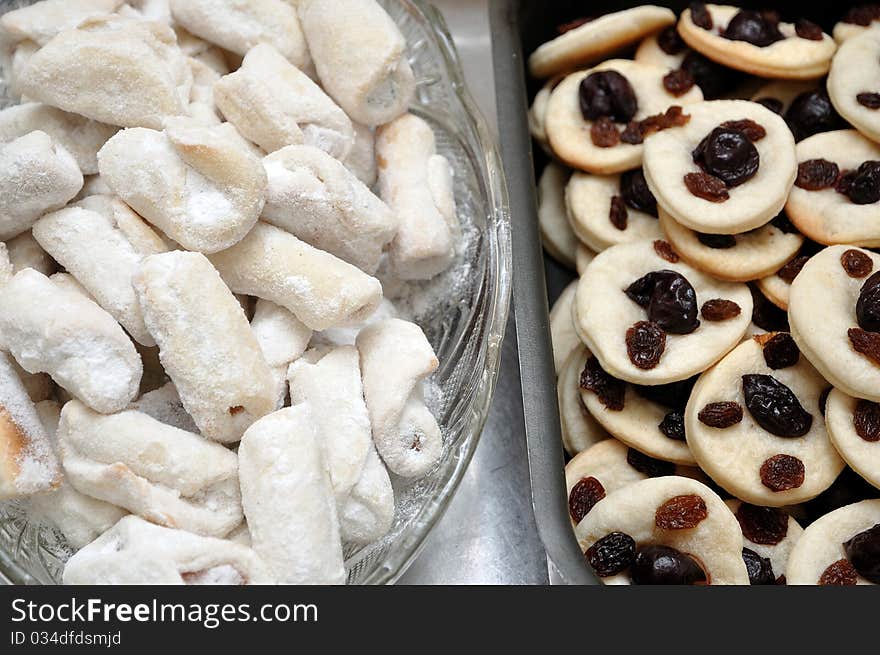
point(766, 315)
point(844, 181)
point(863, 551)
point(664, 565)
point(717, 241)
point(705, 186)
point(760, 569)
point(816, 174)
point(823, 400)
point(839, 573)
point(669, 41)
point(752, 130)
point(774, 407)
point(607, 94)
point(793, 268)
point(678, 82)
point(863, 185)
point(868, 305)
point(645, 344)
point(866, 420)
point(719, 309)
point(766, 526)
point(672, 426)
point(862, 15)
point(603, 133)
point(681, 513)
point(780, 351)
point(714, 79)
point(666, 251)
point(653, 468)
point(856, 263)
point(721, 414)
point(700, 15)
point(584, 495)
point(612, 554)
point(773, 104)
point(670, 300)
point(727, 154)
point(673, 395)
point(617, 214)
point(782, 223)
point(608, 389)
point(808, 30)
point(636, 131)
point(782, 473)
point(869, 99)
point(865, 343)
point(811, 112)
point(636, 193)
point(753, 27)
point(574, 24)
point(632, 133)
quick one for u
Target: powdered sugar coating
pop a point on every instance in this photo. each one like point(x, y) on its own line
point(164, 405)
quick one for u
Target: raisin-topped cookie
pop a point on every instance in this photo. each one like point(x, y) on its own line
point(854, 82)
point(804, 104)
point(562, 333)
point(769, 534)
point(597, 120)
point(754, 424)
point(727, 171)
point(664, 48)
point(834, 310)
point(538, 111)
point(840, 548)
point(583, 257)
point(854, 428)
point(579, 429)
point(605, 210)
point(757, 42)
point(556, 234)
point(652, 319)
point(667, 530)
point(856, 21)
point(777, 286)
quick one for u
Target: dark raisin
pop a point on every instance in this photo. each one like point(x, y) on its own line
point(717, 241)
point(782, 473)
point(766, 315)
point(673, 395)
point(753, 27)
point(774, 407)
point(868, 305)
point(636, 193)
point(645, 344)
point(752, 130)
point(583, 496)
point(713, 79)
point(862, 15)
point(808, 30)
point(782, 223)
point(681, 513)
point(612, 554)
point(865, 343)
point(811, 112)
point(607, 94)
point(869, 99)
point(670, 300)
point(617, 214)
point(664, 565)
point(721, 414)
point(773, 104)
point(844, 181)
point(863, 551)
point(678, 82)
point(823, 400)
point(672, 426)
point(608, 389)
point(574, 24)
point(669, 41)
point(632, 133)
point(603, 133)
point(856, 263)
point(780, 351)
point(700, 15)
point(705, 186)
point(839, 573)
point(759, 568)
point(650, 466)
point(666, 251)
point(863, 185)
point(793, 268)
point(866, 420)
point(728, 154)
point(816, 174)
point(781, 580)
point(719, 309)
point(674, 116)
point(762, 525)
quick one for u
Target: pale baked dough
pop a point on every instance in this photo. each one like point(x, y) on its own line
point(785, 91)
point(778, 553)
point(579, 429)
point(844, 31)
point(361, 159)
point(562, 334)
point(557, 236)
point(776, 290)
point(164, 405)
point(41, 21)
point(538, 111)
point(856, 69)
point(583, 257)
point(367, 514)
point(25, 252)
point(650, 52)
point(862, 456)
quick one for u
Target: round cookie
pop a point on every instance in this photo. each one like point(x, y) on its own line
point(579, 429)
point(538, 111)
point(783, 92)
point(792, 57)
point(822, 311)
point(854, 428)
point(737, 258)
point(714, 541)
point(729, 430)
point(556, 234)
point(664, 49)
point(777, 286)
point(769, 532)
point(569, 133)
point(600, 215)
point(669, 161)
point(597, 38)
point(604, 313)
point(562, 335)
point(856, 71)
point(775, 289)
point(822, 545)
point(856, 21)
point(583, 257)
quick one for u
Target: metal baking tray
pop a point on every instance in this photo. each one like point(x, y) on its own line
point(518, 27)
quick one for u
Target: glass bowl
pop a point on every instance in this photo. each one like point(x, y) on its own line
point(463, 312)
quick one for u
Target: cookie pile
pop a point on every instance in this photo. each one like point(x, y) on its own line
point(718, 358)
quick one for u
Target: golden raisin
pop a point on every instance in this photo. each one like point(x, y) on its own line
point(681, 513)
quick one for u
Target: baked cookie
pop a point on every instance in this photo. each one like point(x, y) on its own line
point(597, 38)
point(639, 310)
point(856, 21)
point(754, 424)
point(853, 82)
point(804, 104)
point(605, 210)
point(840, 548)
point(738, 258)
point(664, 48)
point(769, 534)
point(667, 530)
point(777, 286)
point(562, 335)
point(854, 428)
point(596, 120)
point(556, 233)
point(728, 170)
point(833, 309)
point(757, 42)
point(579, 429)
point(583, 256)
point(538, 111)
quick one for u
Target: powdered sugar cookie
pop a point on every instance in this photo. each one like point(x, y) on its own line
point(769, 535)
point(856, 21)
point(637, 309)
point(562, 335)
point(757, 42)
point(853, 82)
point(728, 170)
point(854, 428)
point(754, 424)
point(579, 429)
point(667, 530)
point(583, 256)
point(556, 233)
point(596, 120)
point(833, 311)
point(597, 38)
